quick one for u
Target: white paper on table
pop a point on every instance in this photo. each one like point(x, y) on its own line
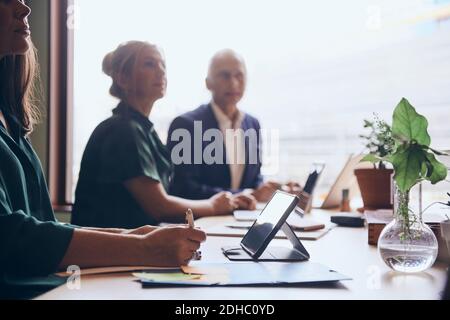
point(245, 215)
point(260, 206)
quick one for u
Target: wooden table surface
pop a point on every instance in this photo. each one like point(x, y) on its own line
point(342, 249)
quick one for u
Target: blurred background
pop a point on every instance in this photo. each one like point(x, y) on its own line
point(316, 69)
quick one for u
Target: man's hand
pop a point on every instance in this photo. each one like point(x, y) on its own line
point(292, 187)
point(297, 189)
point(265, 192)
point(244, 201)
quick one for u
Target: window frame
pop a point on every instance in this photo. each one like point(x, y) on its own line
point(60, 116)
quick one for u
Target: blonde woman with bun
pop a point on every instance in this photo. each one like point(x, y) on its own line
point(33, 245)
point(126, 171)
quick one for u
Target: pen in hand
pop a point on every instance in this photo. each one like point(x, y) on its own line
point(190, 222)
point(190, 218)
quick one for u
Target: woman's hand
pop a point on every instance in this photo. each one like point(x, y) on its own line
point(142, 231)
point(171, 247)
point(222, 204)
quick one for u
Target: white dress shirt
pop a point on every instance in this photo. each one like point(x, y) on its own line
point(234, 143)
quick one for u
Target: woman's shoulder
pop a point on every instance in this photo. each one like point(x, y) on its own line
point(116, 125)
point(117, 128)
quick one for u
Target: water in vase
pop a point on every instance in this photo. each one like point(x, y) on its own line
point(409, 258)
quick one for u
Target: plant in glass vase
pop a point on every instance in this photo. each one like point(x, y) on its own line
point(407, 244)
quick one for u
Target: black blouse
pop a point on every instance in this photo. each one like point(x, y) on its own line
point(123, 147)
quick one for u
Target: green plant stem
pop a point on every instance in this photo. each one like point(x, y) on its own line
point(403, 214)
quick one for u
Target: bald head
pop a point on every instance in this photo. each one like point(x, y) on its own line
point(227, 77)
point(225, 57)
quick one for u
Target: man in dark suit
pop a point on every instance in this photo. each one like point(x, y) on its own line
point(237, 167)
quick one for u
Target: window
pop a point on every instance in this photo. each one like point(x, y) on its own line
point(316, 68)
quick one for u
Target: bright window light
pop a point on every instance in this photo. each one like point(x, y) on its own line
point(316, 68)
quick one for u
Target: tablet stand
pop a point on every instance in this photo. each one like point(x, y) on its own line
point(275, 254)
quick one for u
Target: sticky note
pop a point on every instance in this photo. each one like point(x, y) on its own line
point(166, 277)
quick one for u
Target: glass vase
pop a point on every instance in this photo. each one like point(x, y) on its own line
point(407, 244)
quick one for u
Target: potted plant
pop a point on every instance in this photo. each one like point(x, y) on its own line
point(375, 183)
point(407, 244)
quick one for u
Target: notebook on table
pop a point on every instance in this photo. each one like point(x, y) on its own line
point(242, 274)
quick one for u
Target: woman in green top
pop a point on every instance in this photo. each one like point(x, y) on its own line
point(126, 170)
point(33, 245)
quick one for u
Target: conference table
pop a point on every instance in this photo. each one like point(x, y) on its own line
point(345, 250)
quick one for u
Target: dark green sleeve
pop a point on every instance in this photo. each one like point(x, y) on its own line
point(126, 154)
point(29, 247)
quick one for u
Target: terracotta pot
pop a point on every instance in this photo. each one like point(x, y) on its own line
point(375, 186)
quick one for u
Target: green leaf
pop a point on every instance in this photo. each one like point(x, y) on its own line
point(439, 171)
point(368, 124)
point(426, 166)
point(407, 164)
point(389, 158)
point(371, 158)
point(409, 126)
